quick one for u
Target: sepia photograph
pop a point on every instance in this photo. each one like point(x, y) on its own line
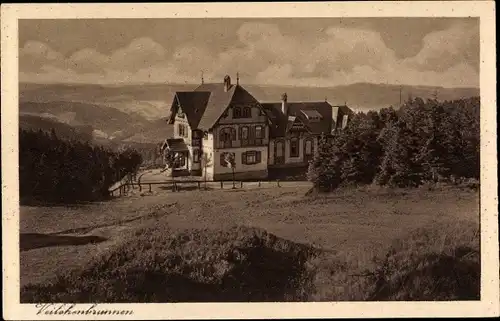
point(260, 159)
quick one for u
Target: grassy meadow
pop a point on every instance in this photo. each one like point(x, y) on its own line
point(255, 244)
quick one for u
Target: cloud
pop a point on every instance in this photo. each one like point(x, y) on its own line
point(34, 54)
point(87, 61)
point(264, 54)
point(445, 48)
point(140, 53)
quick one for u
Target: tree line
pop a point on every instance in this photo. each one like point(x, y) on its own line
point(52, 169)
point(423, 141)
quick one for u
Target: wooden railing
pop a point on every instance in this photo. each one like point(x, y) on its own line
point(177, 184)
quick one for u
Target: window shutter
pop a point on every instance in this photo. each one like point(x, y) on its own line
point(244, 158)
point(257, 157)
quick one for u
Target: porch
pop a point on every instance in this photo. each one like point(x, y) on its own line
point(181, 164)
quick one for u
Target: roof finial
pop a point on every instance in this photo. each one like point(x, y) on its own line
point(202, 81)
point(326, 99)
point(237, 78)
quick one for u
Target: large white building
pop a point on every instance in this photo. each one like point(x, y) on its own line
point(220, 118)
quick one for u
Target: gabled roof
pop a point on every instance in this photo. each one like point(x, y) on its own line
point(193, 104)
point(206, 104)
point(281, 124)
point(217, 103)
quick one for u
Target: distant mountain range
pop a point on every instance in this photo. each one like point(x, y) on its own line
point(136, 114)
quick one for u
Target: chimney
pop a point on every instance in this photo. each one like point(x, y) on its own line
point(284, 105)
point(344, 121)
point(335, 118)
point(227, 83)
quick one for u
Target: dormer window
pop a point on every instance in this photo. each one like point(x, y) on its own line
point(242, 112)
point(312, 115)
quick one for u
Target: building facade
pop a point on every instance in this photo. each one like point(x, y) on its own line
point(222, 121)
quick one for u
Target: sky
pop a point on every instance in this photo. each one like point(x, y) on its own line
point(272, 51)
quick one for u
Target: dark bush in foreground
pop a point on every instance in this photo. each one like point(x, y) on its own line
point(431, 265)
point(240, 264)
point(246, 264)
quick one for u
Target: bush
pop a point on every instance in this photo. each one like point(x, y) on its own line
point(250, 265)
point(430, 264)
point(239, 264)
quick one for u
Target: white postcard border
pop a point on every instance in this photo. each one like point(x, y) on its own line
point(489, 304)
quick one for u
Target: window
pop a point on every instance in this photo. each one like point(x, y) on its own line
point(259, 132)
point(196, 140)
point(244, 133)
point(294, 147)
point(251, 157)
point(196, 156)
point(308, 147)
point(236, 112)
point(182, 130)
point(227, 135)
point(279, 149)
point(247, 112)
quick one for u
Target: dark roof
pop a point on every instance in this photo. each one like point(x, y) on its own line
point(176, 144)
point(218, 102)
point(205, 105)
point(193, 104)
point(281, 124)
point(312, 114)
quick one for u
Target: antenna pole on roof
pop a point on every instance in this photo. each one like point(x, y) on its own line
point(202, 81)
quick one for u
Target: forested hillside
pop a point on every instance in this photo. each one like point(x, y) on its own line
point(56, 170)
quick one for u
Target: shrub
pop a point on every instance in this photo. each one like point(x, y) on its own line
point(430, 264)
point(248, 265)
point(239, 264)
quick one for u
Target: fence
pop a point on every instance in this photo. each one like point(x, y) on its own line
point(176, 185)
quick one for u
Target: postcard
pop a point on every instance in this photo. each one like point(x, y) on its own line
point(249, 160)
